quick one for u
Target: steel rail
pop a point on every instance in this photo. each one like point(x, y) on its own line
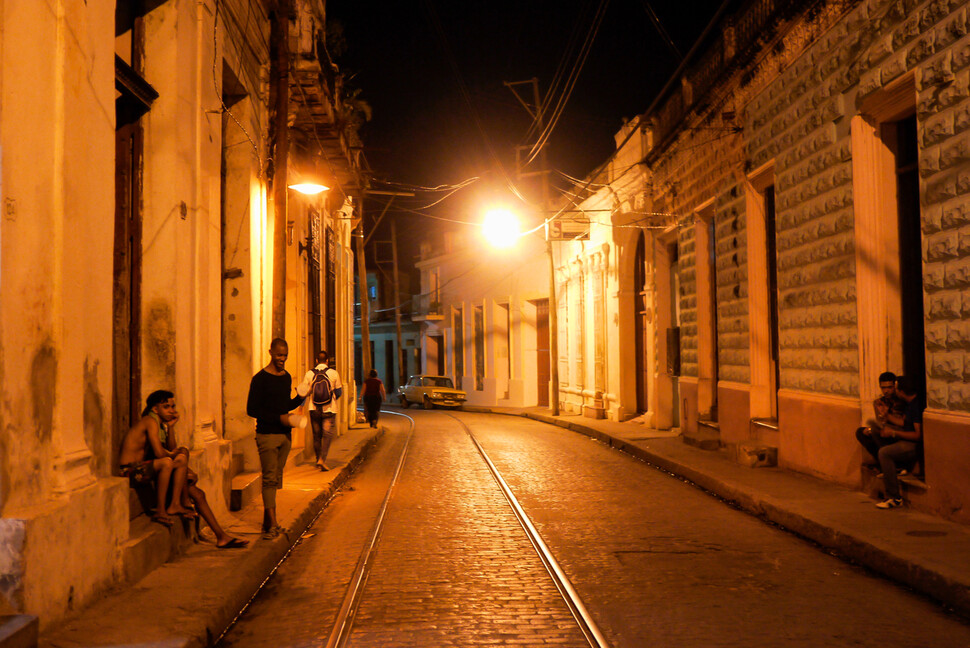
point(289, 551)
point(573, 601)
point(348, 608)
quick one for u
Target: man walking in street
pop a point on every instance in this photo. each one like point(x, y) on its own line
point(322, 385)
point(269, 403)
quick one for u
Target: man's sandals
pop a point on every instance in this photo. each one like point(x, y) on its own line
point(164, 520)
point(235, 543)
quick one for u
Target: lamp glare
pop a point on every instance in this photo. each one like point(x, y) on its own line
point(501, 228)
point(309, 188)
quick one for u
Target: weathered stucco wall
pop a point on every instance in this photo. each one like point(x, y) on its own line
point(56, 231)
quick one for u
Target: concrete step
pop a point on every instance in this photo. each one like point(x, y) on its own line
point(707, 436)
point(245, 488)
point(911, 486)
point(151, 545)
point(18, 631)
point(140, 501)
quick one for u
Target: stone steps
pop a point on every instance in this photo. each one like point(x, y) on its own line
point(245, 488)
point(912, 488)
point(18, 631)
point(706, 437)
point(151, 545)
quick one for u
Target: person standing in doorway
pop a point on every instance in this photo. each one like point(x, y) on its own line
point(372, 395)
point(322, 385)
point(269, 403)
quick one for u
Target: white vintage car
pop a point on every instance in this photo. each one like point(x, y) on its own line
point(430, 391)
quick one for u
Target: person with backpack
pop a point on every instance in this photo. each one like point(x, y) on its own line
point(372, 395)
point(322, 387)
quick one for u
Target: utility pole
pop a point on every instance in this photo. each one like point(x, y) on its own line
point(401, 357)
point(280, 83)
point(365, 358)
point(536, 114)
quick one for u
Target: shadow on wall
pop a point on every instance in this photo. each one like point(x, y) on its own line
point(94, 425)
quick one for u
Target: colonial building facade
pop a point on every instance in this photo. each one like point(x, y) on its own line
point(484, 316)
point(799, 228)
point(146, 243)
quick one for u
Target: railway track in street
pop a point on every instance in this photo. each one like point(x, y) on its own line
point(357, 589)
point(430, 545)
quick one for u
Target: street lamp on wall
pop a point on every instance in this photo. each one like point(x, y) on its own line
point(309, 188)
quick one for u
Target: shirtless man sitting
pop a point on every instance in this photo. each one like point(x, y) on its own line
point(144, 457)
point(193, 495)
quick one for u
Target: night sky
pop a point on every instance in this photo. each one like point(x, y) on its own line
point(433, 73)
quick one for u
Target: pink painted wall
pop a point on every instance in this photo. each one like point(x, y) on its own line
point(946, 440)
point(734, 413)
point(817, 436)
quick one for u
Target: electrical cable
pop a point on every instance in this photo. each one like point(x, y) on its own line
point(570, 83)
point(215, 85)
point(453, 62)
point(413, 187)
point(652, 15)
point(560, 69)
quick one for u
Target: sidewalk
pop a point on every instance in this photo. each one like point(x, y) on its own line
point(929, 554)
point(190, 600)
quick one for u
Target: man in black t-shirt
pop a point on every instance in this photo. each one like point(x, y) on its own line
point(888, 409)
point(903, 444)
point(269, 402)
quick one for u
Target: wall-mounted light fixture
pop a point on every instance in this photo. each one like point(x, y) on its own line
point(309, 188)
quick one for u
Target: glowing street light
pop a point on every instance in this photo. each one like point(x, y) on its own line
point(501, 228)
point(309, 188)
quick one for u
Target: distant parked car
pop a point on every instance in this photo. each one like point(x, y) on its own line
point(430, 391)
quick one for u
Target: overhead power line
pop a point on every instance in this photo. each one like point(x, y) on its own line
point(570, 83)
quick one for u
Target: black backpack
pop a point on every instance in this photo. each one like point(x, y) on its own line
point(321, 389)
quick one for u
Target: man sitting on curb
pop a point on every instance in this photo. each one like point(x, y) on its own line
point(900, 446)
point(192, 494)
point(144, 459)
point(889, 410)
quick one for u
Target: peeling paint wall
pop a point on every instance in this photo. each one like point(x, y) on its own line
point(159, 342)
point(57, 100)
point(96, 418)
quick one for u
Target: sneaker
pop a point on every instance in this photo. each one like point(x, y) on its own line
point(894, 502)
point(903, 472)
point(272, 533)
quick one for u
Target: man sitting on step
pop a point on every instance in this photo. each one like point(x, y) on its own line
point(156, 432)
point(899, 446)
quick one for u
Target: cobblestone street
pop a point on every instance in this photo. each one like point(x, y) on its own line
point(656, 561)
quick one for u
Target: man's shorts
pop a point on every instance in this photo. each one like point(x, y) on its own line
point(138, 473)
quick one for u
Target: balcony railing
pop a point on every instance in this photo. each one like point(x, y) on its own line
point(427, 308)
